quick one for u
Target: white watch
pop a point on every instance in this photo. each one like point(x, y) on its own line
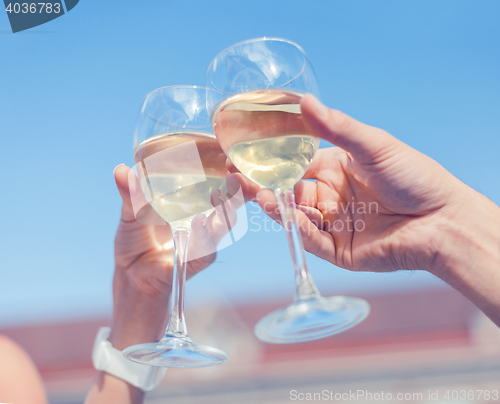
point(110, 360)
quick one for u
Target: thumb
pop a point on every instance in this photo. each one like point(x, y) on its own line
point(121, 173)
point(365, 143)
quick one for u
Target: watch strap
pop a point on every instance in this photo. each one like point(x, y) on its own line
point(110, 360)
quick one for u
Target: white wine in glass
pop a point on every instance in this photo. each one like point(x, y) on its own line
point(264, 134)
point(180, 191)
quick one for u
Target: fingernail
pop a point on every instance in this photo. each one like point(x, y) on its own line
point(302, 208)
point(321, 110)
point(114, 170)
point(204, 222)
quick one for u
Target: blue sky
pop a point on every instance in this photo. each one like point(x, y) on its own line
point(427, 71)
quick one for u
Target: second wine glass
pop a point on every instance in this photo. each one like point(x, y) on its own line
point(179, 164)
point(256, 116)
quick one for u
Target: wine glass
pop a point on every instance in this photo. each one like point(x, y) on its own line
point(256, 117)
point(179, 164)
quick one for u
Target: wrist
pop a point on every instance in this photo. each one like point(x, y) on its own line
point(138, 316)
point(109, 389)
point(470, 252)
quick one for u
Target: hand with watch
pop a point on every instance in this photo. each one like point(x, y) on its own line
point(141, 290)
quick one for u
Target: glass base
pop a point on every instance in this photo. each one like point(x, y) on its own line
point(311, 319)
point(174, 352)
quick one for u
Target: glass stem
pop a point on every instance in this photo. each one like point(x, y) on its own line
point(177, 323)
point(304, 285)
